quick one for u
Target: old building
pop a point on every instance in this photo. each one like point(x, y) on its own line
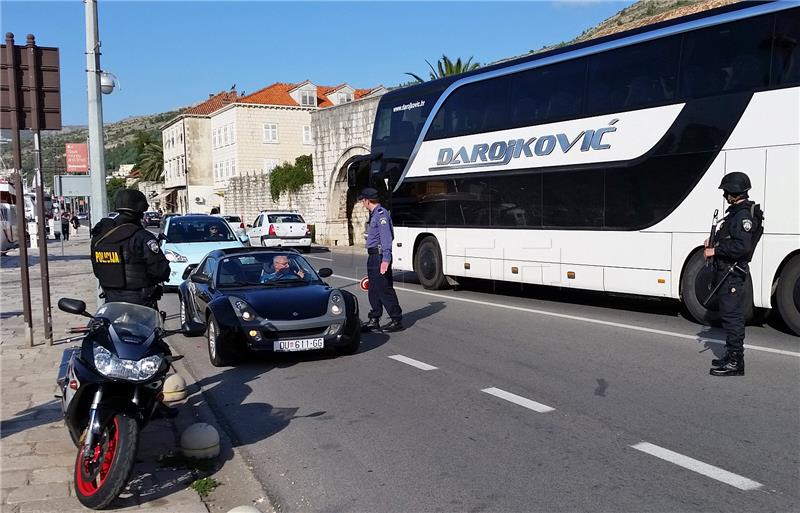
point(259, 131)
point(341, 133)
point(187, 146)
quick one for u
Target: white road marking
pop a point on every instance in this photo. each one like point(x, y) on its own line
point(694, 465)
point(517, 399)
point(414, 363)
point(586, 319)
point(319, 258)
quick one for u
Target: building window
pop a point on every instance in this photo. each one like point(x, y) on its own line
point(233, 133)
point(345, 97)
point(308, 98)
point(270, 132)
point(270, 164)
point(233, 167)
point(225, 135)
point(214, 138)
point(307, 135)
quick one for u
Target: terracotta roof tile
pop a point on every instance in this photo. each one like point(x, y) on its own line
point(278, 94)
point(214, 103)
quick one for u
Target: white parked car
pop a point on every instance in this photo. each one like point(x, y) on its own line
point(236, 223)
point(280, 229)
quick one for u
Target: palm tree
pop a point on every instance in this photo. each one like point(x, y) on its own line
point(446, 67)
point(150, 163)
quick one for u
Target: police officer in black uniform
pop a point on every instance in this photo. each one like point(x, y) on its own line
point(731, 252)
point(126, 258)
point(379, 265)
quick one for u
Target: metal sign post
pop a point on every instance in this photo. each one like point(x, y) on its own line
point(10, 76)
point(30, 98)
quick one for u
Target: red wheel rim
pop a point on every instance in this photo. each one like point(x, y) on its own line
point(91, 473)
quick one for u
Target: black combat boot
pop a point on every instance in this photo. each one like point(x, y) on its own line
point(722, 362)
point(372, 325)
point(734, 367)
point(393, 326)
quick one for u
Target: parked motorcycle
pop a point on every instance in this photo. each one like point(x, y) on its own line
point(110, 388)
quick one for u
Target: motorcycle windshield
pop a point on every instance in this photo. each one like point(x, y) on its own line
point(129, 320)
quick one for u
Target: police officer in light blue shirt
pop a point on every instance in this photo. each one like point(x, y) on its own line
point(379, 265)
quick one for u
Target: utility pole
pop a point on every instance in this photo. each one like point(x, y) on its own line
point(97, 165)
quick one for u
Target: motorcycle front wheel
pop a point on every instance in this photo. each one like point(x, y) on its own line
point(100, 477)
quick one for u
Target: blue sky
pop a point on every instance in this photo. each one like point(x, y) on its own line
point(171, 54)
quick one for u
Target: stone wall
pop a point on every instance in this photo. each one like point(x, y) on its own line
point(250, 194)
point(341, 133)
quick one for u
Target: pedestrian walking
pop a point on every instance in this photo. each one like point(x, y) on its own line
point(731, 252)
point(66, 216)
point(126, 258)
point(382, 295)
point(76, 223)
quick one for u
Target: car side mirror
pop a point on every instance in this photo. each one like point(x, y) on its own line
point(243, 237)
point(200, 278)
point(188, 270)
point(325, 272)
point(249, 225)
point(73, 306)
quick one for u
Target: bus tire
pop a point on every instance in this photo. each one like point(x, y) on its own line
point(697, 282)
point(428, 264)
point(787, 294)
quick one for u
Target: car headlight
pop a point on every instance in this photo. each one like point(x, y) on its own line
point(174, 257)
point(336, 304)
point(132, 370)
point(242, 309)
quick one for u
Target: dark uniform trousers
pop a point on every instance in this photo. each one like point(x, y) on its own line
point(145, 297)
point(731, 309)
point(381, 290)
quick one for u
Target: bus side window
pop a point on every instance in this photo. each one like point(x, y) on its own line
point(786, 49)
point(733, 57)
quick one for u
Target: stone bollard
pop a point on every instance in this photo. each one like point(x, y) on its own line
point(200, 441)
point(174, 389)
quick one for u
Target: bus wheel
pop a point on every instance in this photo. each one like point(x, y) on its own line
point(428, 264)
point(787, 294)
point(697, 283)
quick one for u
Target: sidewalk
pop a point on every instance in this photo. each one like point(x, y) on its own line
point(36, 453)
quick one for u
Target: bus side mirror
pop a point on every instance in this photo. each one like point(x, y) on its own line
point(351, 175)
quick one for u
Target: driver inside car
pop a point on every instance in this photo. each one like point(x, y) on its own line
point(281, 268)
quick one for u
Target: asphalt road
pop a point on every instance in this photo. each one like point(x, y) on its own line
point(539, 400)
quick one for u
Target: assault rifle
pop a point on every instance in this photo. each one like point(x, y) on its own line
point(713, 234)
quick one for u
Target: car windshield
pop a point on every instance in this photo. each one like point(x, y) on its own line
point(130, 320)
point(285, 218)
point(208, 229)
point(265, 269)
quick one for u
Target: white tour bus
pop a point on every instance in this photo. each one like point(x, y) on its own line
point(596, 166)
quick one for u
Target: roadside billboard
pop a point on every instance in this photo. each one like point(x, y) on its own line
point(77, 158)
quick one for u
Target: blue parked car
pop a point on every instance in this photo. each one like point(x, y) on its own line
point(187, 239)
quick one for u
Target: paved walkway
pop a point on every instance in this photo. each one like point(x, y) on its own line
point(36, 454)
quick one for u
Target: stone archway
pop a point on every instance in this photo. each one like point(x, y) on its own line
point(346, 224)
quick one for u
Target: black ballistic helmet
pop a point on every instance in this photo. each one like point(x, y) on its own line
point(131, 200)
point(735, 183)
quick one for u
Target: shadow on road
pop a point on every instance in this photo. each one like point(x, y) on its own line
point(35, 416)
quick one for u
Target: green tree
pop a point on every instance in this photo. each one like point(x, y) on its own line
point(445, 67)
point(112, 187)
point(290, 177)
point(150, 163)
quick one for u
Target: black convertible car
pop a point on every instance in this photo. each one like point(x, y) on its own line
point(252, 299)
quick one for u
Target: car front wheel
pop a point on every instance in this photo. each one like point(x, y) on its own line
point(217, 352)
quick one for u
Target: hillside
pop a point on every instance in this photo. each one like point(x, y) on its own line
point(119, 147)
